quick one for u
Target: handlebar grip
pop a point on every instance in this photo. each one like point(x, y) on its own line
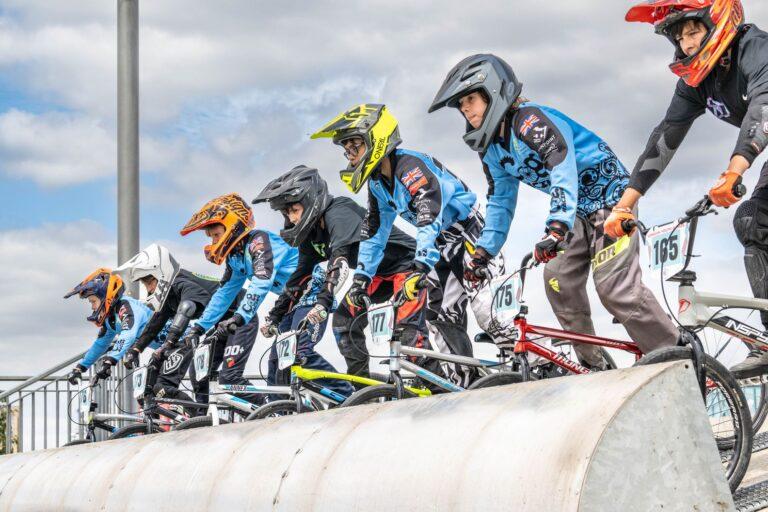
point(739, 190)
point(628, 226)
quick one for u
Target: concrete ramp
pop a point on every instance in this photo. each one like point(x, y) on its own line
point(627, 440)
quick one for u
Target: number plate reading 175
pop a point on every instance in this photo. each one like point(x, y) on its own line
point(382, 321)
point(506, 298)
point(139, 382)
point(667, 248)
point(286, 349)
point(202, 361)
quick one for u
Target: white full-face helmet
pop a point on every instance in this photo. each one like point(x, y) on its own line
point(155, 261)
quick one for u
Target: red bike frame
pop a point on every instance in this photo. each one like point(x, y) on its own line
point(523, 345)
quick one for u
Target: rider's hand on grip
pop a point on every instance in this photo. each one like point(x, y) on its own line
point(619, 222)
point(75, 375)
point(192, 339)
point(106, 368)
point(131, 359)
point(415, 281)
point(269, 329)
point(358, 292)
point(546, 249)
point(727, 189)
point(476, 269)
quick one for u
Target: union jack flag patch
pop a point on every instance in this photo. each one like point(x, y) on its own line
point(529, 123)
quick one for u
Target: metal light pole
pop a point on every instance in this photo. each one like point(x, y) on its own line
point(128, 149)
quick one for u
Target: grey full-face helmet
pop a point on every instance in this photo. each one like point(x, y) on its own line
point(491, 76)
point(302, 185)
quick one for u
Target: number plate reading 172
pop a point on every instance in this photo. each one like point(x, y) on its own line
point(506, 298)
point(382, 321)
point(667, 248)
point(286, 349)
point(202, 361)
point(139, 382)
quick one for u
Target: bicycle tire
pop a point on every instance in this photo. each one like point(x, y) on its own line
point(496, 379)
point(77, 442)
point(610, 364)
point(134, 430)
point(714, 342)
point(198, 422)
point(737, 463)
point(374, 394)
point(274, 409)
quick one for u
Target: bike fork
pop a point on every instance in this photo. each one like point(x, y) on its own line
point(698, 363)
point(394, 367)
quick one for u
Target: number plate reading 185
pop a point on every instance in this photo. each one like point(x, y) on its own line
point(506, 298)
point(382, 321)
point(667, 247)
point(286, 349)
point(202, 361)
point(139, 382)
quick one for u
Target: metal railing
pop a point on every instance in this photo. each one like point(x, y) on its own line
point(42, 412)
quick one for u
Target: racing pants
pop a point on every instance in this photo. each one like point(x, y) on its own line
point(618, 280)
point(305, 351)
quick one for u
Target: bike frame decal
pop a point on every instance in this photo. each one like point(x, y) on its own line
point(744, 332)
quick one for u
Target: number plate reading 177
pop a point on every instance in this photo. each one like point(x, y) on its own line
point(667, 248)
point(202, 361)
point(139, 382)
point(382, 322)
point(506, 298)
point(286, 349)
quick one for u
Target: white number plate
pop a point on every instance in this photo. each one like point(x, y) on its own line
point(505, 292)
point(667, 247)
point(202, 361)
point(381, 318)
point(139, 382)
point(286, 349)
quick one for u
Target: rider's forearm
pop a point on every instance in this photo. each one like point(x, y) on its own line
point(629, 199)
point(739, 165)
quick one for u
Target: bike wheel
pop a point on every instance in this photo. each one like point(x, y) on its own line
point(274, 409)
point(727, 409)
point(730, 350)
point(198, 422)
point(77, 442)
point(374, 395)
point(496, 379)
point(134, 430)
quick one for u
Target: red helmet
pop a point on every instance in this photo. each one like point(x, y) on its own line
point(721, 17)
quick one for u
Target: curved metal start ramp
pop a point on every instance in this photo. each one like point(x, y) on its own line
point(627, 440)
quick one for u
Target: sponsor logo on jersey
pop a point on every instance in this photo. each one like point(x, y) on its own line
point(528, 123)
point(257, 244)
point(718, 108)
point(414, 180)
point(539, 134)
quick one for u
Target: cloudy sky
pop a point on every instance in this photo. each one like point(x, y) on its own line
point(231, 90)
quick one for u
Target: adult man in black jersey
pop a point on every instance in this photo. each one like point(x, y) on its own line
point(723, 68)
point(327, 228)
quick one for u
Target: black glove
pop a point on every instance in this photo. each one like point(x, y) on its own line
point(548, 246)
point(131, 359)
point(192, 339)
point(228, 326)
point(159, 355)
point(269, 328)
point(358, 292)
point(415, 281)
point(475, 269)
point(106, 368)
point(76, 374)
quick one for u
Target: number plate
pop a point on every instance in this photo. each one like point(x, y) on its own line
point(667, 249)
point(202, 361)
point(139, 382)
point(85, 399)
point(286, 349)
point(381, 318)
point(505, 292)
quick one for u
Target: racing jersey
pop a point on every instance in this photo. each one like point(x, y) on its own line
point(735, 91)
point(268, 261)
point(425, 194)
point(337, 237)
point(549, 151)
point(119, 332)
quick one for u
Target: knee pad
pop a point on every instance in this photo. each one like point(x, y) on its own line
point(750, 222)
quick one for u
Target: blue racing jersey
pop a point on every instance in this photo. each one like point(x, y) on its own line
point(549, 151)
point(424, 193)
point(119, 332)
point(268, 261)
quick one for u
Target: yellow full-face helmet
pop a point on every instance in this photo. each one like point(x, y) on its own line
point(376, 127)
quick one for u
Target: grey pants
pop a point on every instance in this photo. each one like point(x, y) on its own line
point(618, 279)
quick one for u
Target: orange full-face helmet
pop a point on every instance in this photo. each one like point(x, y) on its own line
point(721, 17)
point(231, 212)
point(108, 287)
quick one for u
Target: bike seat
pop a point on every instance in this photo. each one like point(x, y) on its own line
point(483, 337)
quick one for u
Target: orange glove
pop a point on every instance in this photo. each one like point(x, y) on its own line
point(722, 193)
point(612, 225)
